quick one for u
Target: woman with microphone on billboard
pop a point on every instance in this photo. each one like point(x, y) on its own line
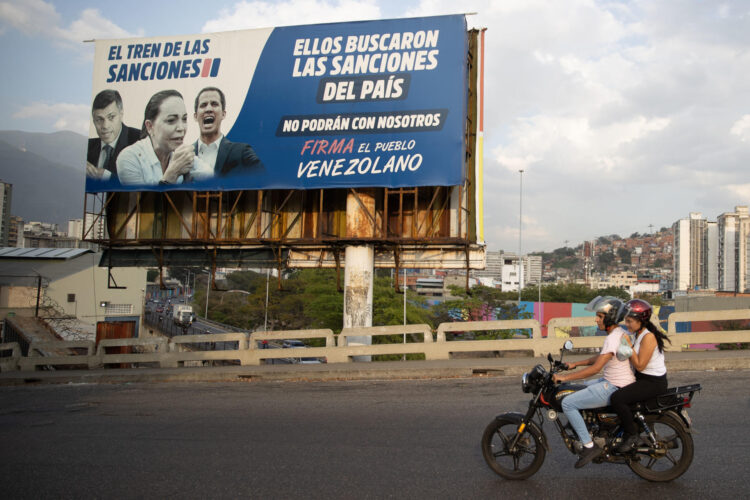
point(162, 157)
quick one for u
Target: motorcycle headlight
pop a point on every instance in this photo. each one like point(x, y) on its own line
point(532, 381)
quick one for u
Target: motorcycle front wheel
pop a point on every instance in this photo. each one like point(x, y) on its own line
point(672, 454)
point(512, 462)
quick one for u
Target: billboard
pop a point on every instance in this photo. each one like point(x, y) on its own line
point(360, 104)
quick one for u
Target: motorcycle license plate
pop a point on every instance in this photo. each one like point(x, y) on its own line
point(686, 417)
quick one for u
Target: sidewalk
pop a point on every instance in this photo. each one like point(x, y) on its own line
point(390, 370)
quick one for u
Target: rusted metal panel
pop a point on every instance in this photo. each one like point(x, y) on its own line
point(116, 330)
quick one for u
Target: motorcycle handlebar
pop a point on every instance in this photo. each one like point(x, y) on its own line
point(559, 366)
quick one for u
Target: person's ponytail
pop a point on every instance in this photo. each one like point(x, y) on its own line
point(659, 334)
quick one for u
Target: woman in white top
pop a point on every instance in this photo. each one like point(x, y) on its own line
point(162, 156)
point(650, 370)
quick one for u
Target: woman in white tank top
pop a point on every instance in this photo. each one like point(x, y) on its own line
point(650, 369)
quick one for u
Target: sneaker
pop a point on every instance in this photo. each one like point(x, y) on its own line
point(587, 455)
point(627, 444)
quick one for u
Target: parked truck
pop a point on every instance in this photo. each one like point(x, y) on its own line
point(182, 315)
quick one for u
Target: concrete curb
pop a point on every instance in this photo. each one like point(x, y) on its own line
point(391, 370)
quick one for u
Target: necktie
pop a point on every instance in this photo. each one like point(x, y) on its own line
point(107, 156)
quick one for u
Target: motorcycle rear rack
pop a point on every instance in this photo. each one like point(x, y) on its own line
point(673, 397)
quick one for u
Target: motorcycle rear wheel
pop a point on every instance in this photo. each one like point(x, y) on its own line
point(673, 453)
point(520, 462)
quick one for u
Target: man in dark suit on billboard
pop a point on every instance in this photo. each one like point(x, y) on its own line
point(113, 136)
point(227, 158)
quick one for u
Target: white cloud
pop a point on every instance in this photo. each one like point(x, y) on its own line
point(258, 14)
point(32, 17)
point(741, 128)
point(739, 191)
point(92, 25)
point(609, 107)
point(60, 116)
point(40, 18)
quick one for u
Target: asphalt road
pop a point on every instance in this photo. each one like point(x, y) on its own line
point(384, 439)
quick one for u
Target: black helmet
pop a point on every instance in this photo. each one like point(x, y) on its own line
point(612, 308)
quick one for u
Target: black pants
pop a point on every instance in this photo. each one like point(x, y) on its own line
point(645, 387)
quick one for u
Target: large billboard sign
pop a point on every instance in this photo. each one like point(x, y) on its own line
point(361, 104)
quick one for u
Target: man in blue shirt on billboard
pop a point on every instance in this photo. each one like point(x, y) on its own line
point(227, 158)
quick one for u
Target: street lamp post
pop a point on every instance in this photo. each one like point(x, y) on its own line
point(403, 357)
point(208, 290)
point(265, 322)
point(520, 232)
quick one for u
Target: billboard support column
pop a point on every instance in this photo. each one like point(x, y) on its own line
point(359, 265)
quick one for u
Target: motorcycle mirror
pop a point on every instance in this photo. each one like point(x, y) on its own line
point(568, 345)
point(549, 357)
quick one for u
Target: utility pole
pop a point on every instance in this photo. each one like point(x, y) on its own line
point(520, 232)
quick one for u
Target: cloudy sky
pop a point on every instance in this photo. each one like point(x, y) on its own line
point(623, 114)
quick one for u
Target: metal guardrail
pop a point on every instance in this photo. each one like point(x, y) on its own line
point(338, 349)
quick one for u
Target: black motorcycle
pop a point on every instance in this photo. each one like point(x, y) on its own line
point(514, 444)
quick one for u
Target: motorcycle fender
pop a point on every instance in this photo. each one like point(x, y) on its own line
point(535, 429)
point(683, 417)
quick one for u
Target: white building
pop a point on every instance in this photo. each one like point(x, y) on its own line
point(71, 284)
point(733, 233)
point(712, 256)
point(493, 266)
point(532, 269)
point(689, 258)
point(94, 227)
point(511, 277)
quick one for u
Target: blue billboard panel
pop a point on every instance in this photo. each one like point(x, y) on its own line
point(361, 104)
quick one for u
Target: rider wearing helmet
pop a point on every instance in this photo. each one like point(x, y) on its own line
point(648, 362)
point(609, 312)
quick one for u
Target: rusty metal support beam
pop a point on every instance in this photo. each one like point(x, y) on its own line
point(429, 207)
point(179, 215)
point(364, 210)
point(127, 219)
point(277, 212)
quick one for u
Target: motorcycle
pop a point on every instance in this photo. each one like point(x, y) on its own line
point(514, 444)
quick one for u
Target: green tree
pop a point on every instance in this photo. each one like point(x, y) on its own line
point(624, 255)
point(605, 260)
point(655, 299)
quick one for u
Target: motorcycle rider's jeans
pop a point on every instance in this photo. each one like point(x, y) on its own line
point(597, 394)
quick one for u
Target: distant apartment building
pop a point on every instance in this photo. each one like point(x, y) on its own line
point(532, 269)
point(93, 229)
point(15, 233)
point(512, 273)
point(493, 266)
point(690, 252)
point(505, 269)
point(712, 255)
point(733, 233)
point(6, 192)
point(75, 228)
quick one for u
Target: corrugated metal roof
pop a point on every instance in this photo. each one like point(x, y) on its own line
point(42, 253)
